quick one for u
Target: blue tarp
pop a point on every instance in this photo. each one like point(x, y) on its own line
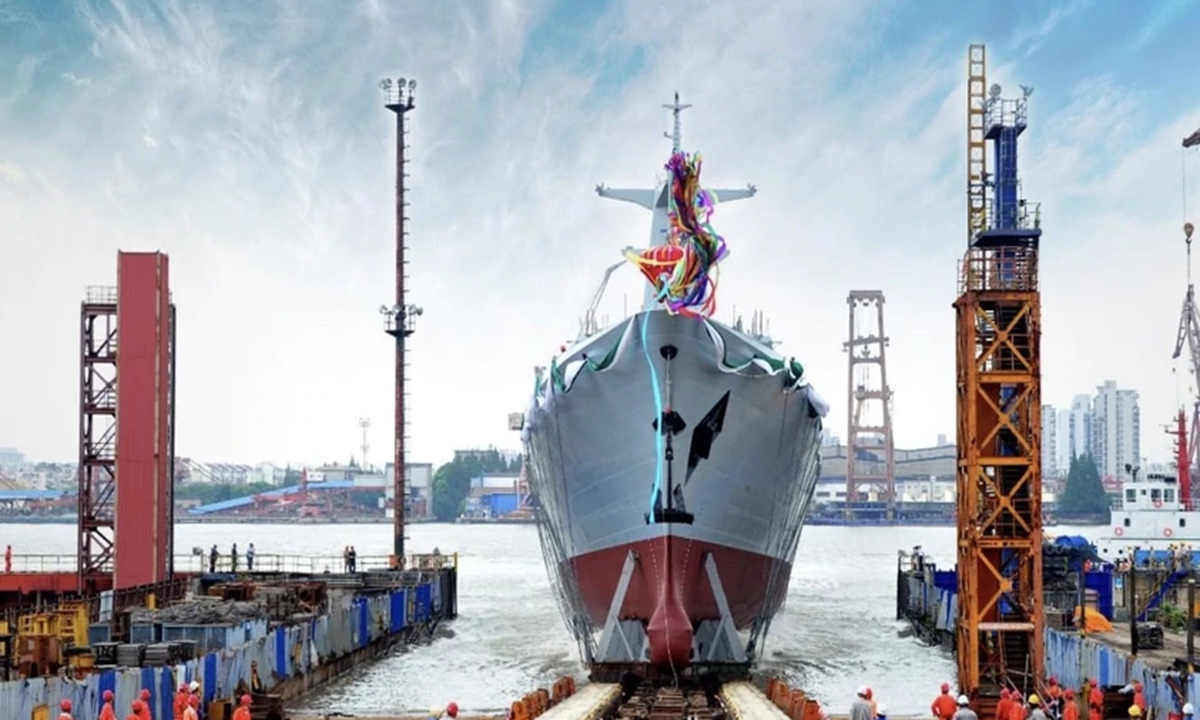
point(273, 494)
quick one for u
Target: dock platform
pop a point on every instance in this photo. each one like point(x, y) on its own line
point(591, 702)
point(744, 701)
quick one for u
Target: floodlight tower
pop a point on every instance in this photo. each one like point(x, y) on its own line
point(1000, 620)
point(400, 316)
point(365, 424)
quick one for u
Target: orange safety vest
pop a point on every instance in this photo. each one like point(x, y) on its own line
point(106, 712)
point(944, 707)
point(1070, 711)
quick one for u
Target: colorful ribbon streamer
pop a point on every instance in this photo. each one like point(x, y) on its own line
point(684, 270)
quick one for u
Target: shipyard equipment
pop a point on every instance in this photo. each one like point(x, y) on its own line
point(1000, 620)
point(400, 317)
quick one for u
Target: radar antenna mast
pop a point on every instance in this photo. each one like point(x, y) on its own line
point(657, 200)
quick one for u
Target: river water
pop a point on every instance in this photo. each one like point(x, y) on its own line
point(837, 630)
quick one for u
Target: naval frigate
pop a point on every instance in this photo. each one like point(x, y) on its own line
point(673, 457)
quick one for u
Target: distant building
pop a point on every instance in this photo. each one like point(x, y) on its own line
point(1050, 464)
point(1077, 428)
point(267, 472)
point(1116, 430)
point(11, 459)
point(418, 479)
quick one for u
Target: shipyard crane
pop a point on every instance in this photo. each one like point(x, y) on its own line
point(999, 638)
point(1189, 334)
point(588, 325)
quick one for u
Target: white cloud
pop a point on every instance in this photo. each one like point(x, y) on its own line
point(77, 81)
point(11, 172)
point(270, 186)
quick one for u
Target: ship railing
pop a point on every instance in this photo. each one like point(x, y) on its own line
point(1187, 505)
point(265, 562)
point(1002, 269)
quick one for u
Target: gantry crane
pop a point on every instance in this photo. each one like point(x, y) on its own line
point(1000, 622)
point(1189, 334)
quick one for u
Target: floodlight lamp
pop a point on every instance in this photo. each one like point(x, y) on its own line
point(994, 91)
point(400, 84)
point(412, 85)
point(1188, 228)
point(385, 84)
point(385, 310)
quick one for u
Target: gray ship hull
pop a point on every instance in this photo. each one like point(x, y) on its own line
point(717, 560)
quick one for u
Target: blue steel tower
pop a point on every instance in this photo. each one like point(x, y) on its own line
point(1010, 221)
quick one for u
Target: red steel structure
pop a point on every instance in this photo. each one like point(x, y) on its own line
point(144, 468)
point(870, 451)
point(97, 438)
point(126, 430)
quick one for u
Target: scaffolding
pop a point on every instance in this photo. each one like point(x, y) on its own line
point(97, 436)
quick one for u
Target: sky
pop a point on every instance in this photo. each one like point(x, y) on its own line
point(250, 143)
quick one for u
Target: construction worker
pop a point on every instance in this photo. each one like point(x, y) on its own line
point(964, 711)
point(64, 710)
point(1139, 696)
point(1017, 711)
point(880, 713)
point(870, 699)
point(1004, 705)
point(1070, 709)
point(144, 713)
point(243, 711)
point(106, 710)
point(943, 706)
point(180, 703)
point(1036, 713)
point(1054, 697)
point(1188, 711)
point(1095, 701)
point(191, 712)
point(860, 709)
point(138, 708)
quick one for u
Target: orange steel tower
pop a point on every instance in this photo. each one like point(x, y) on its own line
point(1000, 621)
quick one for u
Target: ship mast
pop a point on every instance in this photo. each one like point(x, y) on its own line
point(658, 200)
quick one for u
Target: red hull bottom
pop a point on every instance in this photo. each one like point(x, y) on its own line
point(670, 590)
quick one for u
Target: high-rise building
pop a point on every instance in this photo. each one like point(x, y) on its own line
point(1079, 430)
point(1116, 430)
point(1050, 466)
point(1062, 440)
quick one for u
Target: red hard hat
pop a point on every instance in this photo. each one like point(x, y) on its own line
point(182, 687)
point(1069, 694)
point(108, 696)
point(452, 709)
point(246, 700)
point(65, 705)
point(870, 694)
point(145, 694)
point(945, 687)
point(137, 705)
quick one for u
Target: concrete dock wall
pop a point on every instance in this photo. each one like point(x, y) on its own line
point(291, 659)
